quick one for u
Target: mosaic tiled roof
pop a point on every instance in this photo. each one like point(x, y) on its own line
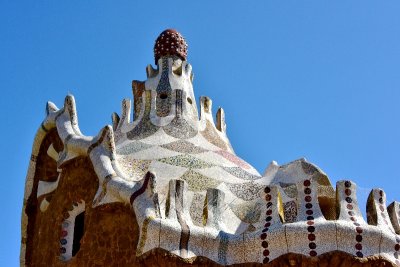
point(193, 196)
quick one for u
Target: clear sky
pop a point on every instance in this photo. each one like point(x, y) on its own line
point(314, 79)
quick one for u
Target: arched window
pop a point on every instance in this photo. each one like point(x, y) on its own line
point(78, 232)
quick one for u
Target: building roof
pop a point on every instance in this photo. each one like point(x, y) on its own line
point(192, 196)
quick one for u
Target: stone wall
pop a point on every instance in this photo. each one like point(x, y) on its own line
point(110, 234)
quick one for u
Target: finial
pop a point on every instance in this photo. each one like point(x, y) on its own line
point(170, 43)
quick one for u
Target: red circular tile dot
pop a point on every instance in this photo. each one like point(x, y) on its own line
point(267, 197)
point(269, 212)
point(359, 230)
point(268, 224)
point(267, 190)
point(349, 200)
point(310, 223)
point(306, 183)
point(307, 191)
point(309, 212)
point(347, 184)
point(397, 247)
point(359, 254)
point(308, 199)
point(349, 206)
point(266, 252)
point(266, 260)
point(311, 237)
point(347, 192)
point(308, 205)
point(313, 253)
point(312, 245)
point(311, 229)
point(358, 246)
point(263, 236)
point(358, 238)
point(264, 244)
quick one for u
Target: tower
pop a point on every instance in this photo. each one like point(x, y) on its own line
point(167, 187)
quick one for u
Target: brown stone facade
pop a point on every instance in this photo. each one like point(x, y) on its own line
point(110, 232)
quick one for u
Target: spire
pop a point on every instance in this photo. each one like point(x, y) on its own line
point(170, 43)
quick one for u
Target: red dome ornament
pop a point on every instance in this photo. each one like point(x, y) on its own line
point(170, 43)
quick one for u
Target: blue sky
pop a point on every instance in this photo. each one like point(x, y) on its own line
point(312, 79)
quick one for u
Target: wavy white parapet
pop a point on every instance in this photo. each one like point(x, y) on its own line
point(311, 234)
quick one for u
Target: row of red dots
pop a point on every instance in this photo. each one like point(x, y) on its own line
point(268, 219)
point(350, 212)
point(382, 209)
point(310, 218)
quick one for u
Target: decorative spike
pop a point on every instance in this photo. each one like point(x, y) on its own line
point(138, 89)
point(394, 214)
point(351, 224)
point(69, 103)
point(115, 120)
point(308, 194)
point(108, 139)
point(126, 111)
point(377, 214)
point(188, 69)
point(205, 109)
point(271, 169)
point(372, 217)
point(70, 107)
point(221, 125)
point(346, 201)
point(50, 107)
point(150, 71)
point(191, 77)
point(376, 209)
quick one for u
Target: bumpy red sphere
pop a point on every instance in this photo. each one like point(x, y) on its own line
point(170, 43)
